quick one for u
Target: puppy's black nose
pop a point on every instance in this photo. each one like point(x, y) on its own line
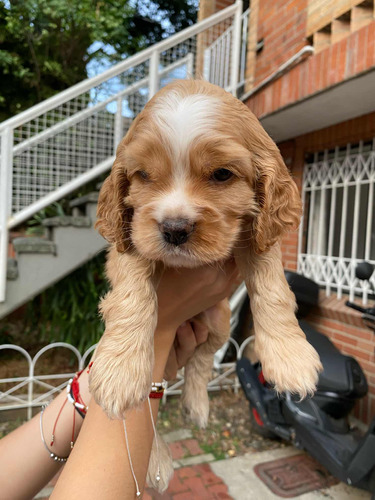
point(176, 231)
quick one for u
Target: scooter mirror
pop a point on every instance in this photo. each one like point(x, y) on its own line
point(364, 270)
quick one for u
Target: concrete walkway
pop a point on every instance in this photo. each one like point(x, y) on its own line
point(243, 484)
point(199, 476)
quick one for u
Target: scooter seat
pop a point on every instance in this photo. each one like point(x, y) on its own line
point(341, 374)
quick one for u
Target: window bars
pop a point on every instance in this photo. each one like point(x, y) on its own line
point(53, 148)
point(338, 227)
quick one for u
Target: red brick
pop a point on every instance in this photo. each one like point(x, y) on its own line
point(177, 450)
point(192, 446)
point(183, 496)
point(356, 353)
point(176, 485)
point(155, 495)
point(186, 472)
point(219, 491)
point(345, 339)
point(370, 59)
point(196, 487)
point(206, 474)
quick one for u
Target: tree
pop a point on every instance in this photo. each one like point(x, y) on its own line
point(46, 45)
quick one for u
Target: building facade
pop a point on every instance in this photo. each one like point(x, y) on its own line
point(310, 79)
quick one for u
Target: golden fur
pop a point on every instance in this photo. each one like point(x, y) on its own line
point(244, 216)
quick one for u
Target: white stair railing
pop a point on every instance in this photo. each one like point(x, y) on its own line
point(53, 148)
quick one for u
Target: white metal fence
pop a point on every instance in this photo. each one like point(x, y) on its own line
point(338, 228)
point(217, 57)
point(55, 147)
point(34, 390)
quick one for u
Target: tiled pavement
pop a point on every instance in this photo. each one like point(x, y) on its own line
point(193, 478)
point(196, 479)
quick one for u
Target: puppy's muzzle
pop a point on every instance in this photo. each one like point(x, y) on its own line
point(176, 231)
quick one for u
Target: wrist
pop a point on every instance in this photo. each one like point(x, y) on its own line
point(163, 341)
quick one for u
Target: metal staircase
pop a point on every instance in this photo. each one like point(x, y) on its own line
point(52, 149)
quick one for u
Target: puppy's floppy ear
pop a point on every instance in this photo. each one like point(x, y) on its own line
point(113, 217)
point(278, 199)
point(277, 195)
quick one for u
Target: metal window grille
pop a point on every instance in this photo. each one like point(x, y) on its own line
point(338, 226)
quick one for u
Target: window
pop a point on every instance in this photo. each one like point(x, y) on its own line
point(338, 227)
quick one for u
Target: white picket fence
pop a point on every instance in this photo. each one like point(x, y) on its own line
point(33, 390)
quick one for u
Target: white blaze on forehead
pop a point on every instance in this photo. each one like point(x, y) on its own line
point(182, 119)
point(174, 204)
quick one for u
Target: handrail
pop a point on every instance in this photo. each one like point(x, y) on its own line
point(72, 120)
point(115, 70)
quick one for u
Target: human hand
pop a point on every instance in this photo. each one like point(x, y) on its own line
point(189, 336)
point(184, 293)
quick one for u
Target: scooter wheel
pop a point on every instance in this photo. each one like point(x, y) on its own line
point(258, 426)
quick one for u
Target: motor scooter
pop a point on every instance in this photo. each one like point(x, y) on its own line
point(319, 424)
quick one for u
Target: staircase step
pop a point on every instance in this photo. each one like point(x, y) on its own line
point(87, 198)
point(67, 220)
point(34, 245)
point(12, 269)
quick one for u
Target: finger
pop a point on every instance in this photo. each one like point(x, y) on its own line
point(185, 344)
point(200, 332)
point(171, 366)
point(185, 337)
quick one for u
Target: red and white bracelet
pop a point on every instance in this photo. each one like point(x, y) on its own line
point(157, 389)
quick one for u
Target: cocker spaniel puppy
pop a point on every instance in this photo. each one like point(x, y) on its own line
point(196, 180)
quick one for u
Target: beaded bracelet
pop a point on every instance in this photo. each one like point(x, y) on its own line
point(73, 395)
point(157, 389)
point(51, 454)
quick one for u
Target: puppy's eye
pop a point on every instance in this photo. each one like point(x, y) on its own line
point(221, 175)
point(143, 175)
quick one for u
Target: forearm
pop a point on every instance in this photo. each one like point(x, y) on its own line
point(25, 464)
point(99, 466)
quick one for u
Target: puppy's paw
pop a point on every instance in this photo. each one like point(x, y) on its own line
point(117, 383)
point(160, 467)
point(292, 366)
point(196, 406)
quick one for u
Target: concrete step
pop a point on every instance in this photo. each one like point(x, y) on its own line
point(83, 200)
point(67, 220)
point(41, 263)
point(34, 245)
point(12, 269)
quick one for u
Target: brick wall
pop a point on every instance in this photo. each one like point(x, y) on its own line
point(345, 328)
point(343, 325)
point(322, 12)
point(209, 7)
point(338, 62)
point(282, 27)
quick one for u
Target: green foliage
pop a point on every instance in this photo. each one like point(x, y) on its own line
point(68, 311)
point(34, 225)
point(46, 45)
